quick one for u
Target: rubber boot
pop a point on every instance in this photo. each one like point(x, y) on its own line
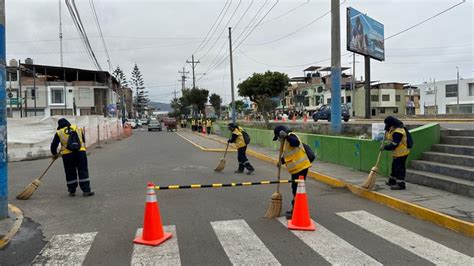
point(391, 181)
point(398, 186)
point(249, 168)
point(240, 170)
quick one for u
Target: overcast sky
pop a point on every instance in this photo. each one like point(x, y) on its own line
point(161, 35)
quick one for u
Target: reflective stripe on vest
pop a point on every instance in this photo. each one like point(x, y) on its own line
point(239, 142)
point(64, 137)
point(295, 158)
point(402, 148)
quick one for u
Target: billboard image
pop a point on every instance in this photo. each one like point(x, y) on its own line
point(365, 35)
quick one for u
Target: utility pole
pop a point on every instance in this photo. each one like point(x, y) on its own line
point(175, 92)
point(60, 35)
point(436, 96)
point(34, 87)
point(234, 119)
point(183, 79)
point(335, 68)
point(20, 94)
point(353, 83)
point(367, 87)
point(457, 78)
point(3, 120)
point(193, 66)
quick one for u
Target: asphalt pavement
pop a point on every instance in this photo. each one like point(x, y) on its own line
point(216, 226)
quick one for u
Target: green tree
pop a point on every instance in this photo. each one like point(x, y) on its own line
point(260, 87)
point(141, 97)
point(216, 101)
point(197, 98)
point(120, 77)
point(239, 106)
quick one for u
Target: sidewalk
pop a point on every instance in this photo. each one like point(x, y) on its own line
point(423, 202)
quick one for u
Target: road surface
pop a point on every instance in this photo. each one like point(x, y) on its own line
point(218, 226)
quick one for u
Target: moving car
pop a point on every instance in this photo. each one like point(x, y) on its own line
point(144, 121)
point(170, 124)
point(154, 125)
point(324, 113)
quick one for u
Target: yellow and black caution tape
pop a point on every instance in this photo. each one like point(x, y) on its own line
point(219, 185)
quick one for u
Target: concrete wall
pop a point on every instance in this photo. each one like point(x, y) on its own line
point(358, 154)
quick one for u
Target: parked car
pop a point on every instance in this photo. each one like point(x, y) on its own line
point(144, 121)
point(139, 122)
point(324, 113)
point(154, 125)
point(131, 123)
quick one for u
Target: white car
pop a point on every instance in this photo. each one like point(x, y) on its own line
point(131, 123)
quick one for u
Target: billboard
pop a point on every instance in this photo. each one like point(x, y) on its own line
point(365, 35)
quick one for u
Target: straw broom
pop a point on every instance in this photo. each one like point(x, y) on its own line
point(34, 185)
point(221, 164)
point(274, 209)
point(369, 183)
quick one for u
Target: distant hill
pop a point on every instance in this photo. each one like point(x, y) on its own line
point(160, 106)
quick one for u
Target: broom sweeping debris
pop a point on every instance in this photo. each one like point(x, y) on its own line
point(221, 164)
point(369, 183)
point(274, 209)
point(34, 185)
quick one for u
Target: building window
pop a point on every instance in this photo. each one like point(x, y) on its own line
point(320, 89)
point(395, 110)
point(451, 90)
point(57, 95)
point(329, 100)
point(463, 109)
point(385, 97)
point(84, 93)
point(471, 89)
point(382, 110)
point(374, 98)
point(398, 98)
point(348, 99)
point(32, 92)
point(342, 99)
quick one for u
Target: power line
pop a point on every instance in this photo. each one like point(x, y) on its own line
point(207, 35)
point(91, 2)
point(299, 29)
point(286, 13)
point(422, 22)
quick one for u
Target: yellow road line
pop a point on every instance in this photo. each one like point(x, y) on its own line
point(15, 227)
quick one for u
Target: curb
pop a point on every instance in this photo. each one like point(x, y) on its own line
point(16, 225)
point(202, 148)
point(415, 210)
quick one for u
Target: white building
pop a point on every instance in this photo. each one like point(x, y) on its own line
point(441, 97)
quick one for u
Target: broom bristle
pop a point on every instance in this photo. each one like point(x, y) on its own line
point(29, 190)
point(274, 209)
point(370, 181)
point(220, 166)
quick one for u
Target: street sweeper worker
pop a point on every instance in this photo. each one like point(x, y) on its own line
point(240, 143)
point(193, 124)
point(208, 126)
point(294, 157)
point(73, 152)
point(397, 136)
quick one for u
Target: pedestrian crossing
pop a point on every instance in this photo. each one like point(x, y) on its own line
point(243, 246)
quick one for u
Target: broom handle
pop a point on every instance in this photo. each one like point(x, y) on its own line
point(226, 148)
point(279, 164)
point(45, 171)
point(380, 152)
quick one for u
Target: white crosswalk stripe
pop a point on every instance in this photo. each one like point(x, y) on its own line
point(332, 248)
point(241, 244)
point(68, 249)
point(165, 254)
point(417, 244)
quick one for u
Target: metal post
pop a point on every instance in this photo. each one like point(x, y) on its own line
point(65, 91)
point(367, 87)
point(98, 135)
point(335, 68)
point(436, 96)
point(20, 94)
point(34, 87)
point(3, 121)
point(353, 83)
point(458, 90)
point(234, 118)
point(10, 94)
point(26, 102)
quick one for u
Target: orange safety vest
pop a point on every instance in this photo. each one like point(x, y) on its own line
point(64, 137)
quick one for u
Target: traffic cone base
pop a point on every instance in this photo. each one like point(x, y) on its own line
point(310, 227)
point(156, 242)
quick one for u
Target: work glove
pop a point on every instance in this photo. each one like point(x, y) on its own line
point(228, 141)
point(55, 156)
point(282, 135)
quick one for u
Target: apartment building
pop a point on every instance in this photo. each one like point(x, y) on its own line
point(385, 99)
point(41, 90)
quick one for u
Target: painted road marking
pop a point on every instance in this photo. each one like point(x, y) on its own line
point(70, 249)
point(332, 248)
point(417, 244)
point(165, 254)
point(241, 244)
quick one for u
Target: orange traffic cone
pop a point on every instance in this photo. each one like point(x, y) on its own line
point(301, 219)
point(294, 119)
point(283, 119)
point(153, 233)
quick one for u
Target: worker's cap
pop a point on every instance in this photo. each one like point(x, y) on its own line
point(277, 130)
point(63, 123)
point(391, 121)
point(232, 125)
